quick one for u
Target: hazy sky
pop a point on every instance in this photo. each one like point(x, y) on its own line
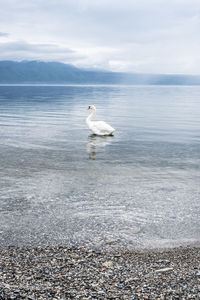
point(148, 36)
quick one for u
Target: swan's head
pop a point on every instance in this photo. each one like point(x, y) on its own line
point(91, 107)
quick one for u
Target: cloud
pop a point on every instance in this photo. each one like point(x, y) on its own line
point(3, 34)
point(140, 36)
point(22, 50)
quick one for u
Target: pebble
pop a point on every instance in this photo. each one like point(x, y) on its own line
point(108, 264)
point(79, 273)
point(163, 270)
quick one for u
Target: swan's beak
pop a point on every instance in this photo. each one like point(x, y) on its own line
point(89, 107)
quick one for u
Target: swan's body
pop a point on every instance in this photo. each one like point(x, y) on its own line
point(99, 127)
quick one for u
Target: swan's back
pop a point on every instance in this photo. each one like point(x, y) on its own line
point(101, 128)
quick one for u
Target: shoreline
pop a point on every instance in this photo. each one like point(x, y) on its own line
point(58, 272)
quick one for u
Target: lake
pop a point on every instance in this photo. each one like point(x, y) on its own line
point(61, 185)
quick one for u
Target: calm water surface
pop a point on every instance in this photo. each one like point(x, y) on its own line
point(60, 184)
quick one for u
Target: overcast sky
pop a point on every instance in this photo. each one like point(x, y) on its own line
point(147, 36)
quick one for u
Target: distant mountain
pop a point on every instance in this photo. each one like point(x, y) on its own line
point(54, 72)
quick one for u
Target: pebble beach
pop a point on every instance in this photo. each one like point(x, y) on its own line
point(57, 272)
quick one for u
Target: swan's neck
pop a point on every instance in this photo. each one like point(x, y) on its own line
point(93, 113)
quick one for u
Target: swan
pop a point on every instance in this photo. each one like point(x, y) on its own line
point(99, 127)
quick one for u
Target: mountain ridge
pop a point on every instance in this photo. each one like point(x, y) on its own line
point(56, 72)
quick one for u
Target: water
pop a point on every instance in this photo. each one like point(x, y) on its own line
point(61, 185)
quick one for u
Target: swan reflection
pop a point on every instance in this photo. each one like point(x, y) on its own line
point(95, 141)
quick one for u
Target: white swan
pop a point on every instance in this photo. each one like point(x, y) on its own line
point(100, 127)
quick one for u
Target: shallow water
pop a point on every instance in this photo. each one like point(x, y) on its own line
point(60, 184)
